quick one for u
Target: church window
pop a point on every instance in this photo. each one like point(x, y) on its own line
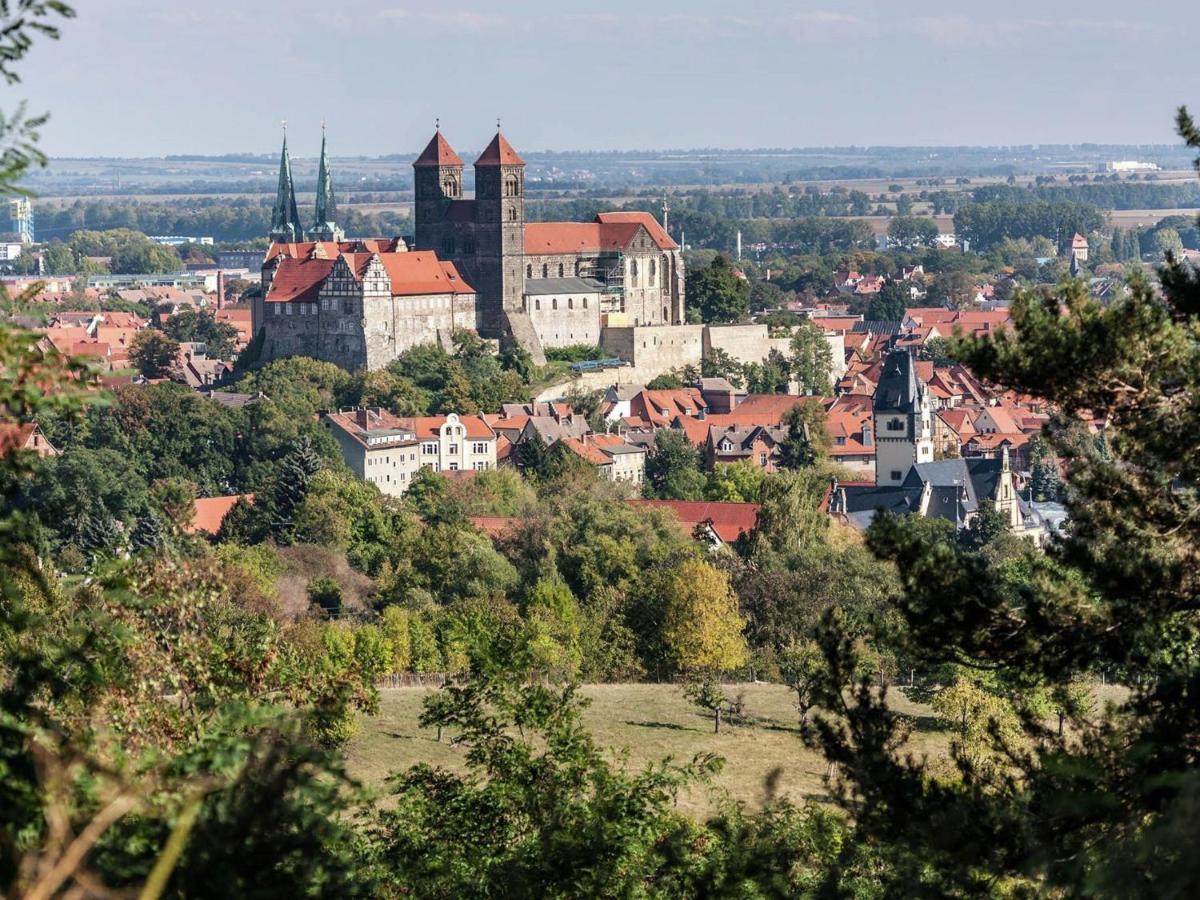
point(512, 187)
point(570, 303)
point(512, 214)
point(545, 271)
point(651, 275)
point(633, 270)
point(554, 303)
point(585, 302)
point(529, 271)
point(537, 304)
point(449, 188)
point(666, 314)
point(560, 270)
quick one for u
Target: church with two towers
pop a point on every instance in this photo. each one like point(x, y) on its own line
point(472, 262)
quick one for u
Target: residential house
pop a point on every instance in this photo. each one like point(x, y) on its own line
point(615, 459)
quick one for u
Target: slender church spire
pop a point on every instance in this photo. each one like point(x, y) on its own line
point(285, 218)
point(324, 227)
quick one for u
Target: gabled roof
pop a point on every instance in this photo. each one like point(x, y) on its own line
point(438, 152)
point(657, 233)
point(412, 273)
point(610, 232)
point(499, 153)
point(429, 426)
point(729, 520)
point(211, 511)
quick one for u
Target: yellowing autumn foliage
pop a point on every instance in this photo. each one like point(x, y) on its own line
point(702, 628)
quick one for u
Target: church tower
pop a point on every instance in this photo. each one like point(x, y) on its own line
point(285, 218)
point(499, 232)
point(324, 227)
point(903, 416)
point(438, 182)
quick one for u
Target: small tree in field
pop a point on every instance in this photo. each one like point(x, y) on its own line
point(802, 666)
point(708, 695)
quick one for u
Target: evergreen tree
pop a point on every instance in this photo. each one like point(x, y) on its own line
point(812, 360)
point(149, 534)
point(292, 482)
point(806, 442)
point(1108, 806)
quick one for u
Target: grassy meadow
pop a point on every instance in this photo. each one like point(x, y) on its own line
point(650, 722)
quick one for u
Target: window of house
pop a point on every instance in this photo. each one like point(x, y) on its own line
point(726, 446)
point(479, 447)
point(762, 460)
point(289, 309)
point(454, 449)
point(895, 474)
point(840, 441)
point(453, 467)
point(429, 449)
point(277, 309)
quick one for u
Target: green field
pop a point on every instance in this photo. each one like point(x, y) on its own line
point(650, 721)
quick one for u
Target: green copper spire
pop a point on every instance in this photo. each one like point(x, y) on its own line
point(285, 218)
point(324, 228)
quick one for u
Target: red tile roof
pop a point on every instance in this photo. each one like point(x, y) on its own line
point(211, 511)
point(499, 153)
point(428, 426)
point(610, 232)
point(729, 520)
point(412, 273)
point(438, 153)
point(657, 233)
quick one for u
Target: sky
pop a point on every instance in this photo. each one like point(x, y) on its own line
point(156, 77)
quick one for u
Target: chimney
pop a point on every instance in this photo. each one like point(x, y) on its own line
point(361, 417)
point(220, 289)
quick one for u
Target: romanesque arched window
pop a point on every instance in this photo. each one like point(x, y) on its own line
point(545, 271)
point(529, 271)
point(633, 270)
point(570, 303)
point(537, 304)
point(450, 187)
point(512, 186)
point(512, 214)
point(554, 303)
point(560, 270)
point(651, 273)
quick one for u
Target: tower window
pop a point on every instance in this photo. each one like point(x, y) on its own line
point(512, 186)
point(560, 270)
point(512, 214)
point(537, 304)
point(545, 271)
point(529, 271)
point(554, 303)
point(570, 303)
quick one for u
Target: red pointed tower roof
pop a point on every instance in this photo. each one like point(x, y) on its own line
point(499, 153)
point(438, 153)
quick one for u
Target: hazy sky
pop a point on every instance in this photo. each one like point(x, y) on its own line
point(150, 77)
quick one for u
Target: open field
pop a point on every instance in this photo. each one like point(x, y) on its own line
point(650, 721)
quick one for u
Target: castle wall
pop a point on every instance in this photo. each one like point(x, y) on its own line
point(561, 320)
point(662, 347)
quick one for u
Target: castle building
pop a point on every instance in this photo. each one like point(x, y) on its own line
point(358, 304)
point(543, 284)
point(475, 264)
